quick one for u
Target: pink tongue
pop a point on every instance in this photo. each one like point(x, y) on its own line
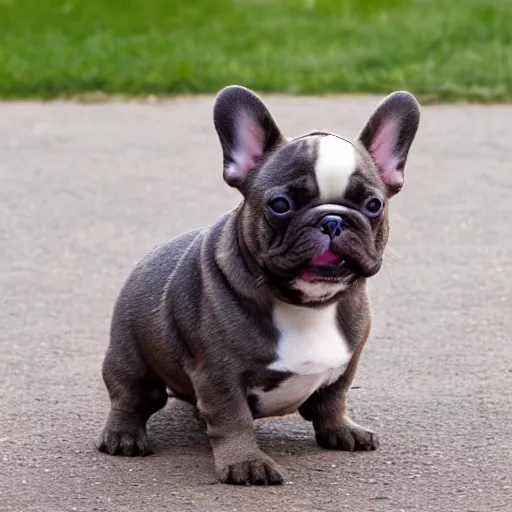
point(326, 258)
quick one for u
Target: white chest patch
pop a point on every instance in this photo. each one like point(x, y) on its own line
point(312, 348)
point(336, 161)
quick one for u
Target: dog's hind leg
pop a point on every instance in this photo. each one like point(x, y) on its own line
point(135, 394)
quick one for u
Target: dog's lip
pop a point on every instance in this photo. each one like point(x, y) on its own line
point(327, 258)
point(333, 273)
point(312, 276)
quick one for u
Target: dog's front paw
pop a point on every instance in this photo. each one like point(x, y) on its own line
point(130, 441)
point(260, 470)
point(347, 437)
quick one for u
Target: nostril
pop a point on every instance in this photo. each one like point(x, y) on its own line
point(331, 225)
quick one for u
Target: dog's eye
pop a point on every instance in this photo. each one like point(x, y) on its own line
point(374, 207)
point(280, 205)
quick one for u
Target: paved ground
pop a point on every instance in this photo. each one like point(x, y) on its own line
point(87, 190)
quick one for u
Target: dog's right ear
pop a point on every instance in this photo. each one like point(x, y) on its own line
point(246, 131)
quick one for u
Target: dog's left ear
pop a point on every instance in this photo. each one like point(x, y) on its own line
point(246, 131)
point(388, 136)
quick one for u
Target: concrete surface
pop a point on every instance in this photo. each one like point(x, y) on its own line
point(87, 190)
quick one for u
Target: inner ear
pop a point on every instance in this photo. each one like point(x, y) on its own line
point(388, 136)
point(246, 130)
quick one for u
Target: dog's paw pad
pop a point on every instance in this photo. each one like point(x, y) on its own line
point(124, 442)
point(252, 472)
point(347, 438)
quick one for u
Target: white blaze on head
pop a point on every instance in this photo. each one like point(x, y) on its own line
point(336, 161)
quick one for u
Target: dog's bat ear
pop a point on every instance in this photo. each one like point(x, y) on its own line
point(388, 136)
point(246, 131)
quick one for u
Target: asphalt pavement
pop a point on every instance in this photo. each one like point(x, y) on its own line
point(87, 190)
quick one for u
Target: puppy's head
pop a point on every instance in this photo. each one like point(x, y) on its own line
point(315, 211)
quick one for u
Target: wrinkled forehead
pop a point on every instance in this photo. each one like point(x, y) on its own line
point(328, 162)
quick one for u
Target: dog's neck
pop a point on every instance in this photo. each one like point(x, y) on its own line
point(238, 264)
point(253, 267)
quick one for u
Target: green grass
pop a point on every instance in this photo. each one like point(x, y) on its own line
point(438, 49)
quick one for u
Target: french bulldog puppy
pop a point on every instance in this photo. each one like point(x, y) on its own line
point(266, 312)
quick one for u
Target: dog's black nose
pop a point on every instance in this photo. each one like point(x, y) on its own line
point(331, 225)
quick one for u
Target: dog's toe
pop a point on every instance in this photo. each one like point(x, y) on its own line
point(124, 442)
point(252, 472)
point(348, 438)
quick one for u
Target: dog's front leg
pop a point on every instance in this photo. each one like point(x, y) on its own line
point(327, 409)
point(222, 403)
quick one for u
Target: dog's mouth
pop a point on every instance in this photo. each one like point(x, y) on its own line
point(329, 267)
point(327, 258)
point(332, 266)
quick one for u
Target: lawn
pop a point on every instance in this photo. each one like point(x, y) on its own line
point(438, 49)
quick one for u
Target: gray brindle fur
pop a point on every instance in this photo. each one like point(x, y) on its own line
point(266, 312)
